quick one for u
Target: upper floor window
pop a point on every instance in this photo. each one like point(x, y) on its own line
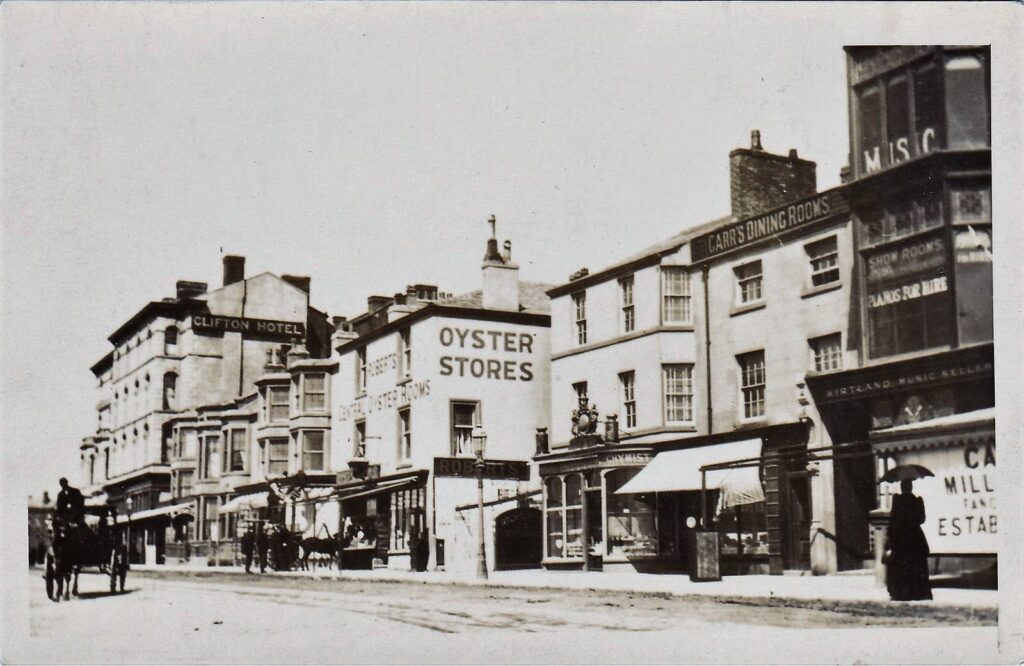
point(748, 282)
point(170, 385)
point(277, 456)
point(824, 261)
point(827, 352)
point(464, 418)
point(211, 456)
point(313, 452)
point(628, 382)
point(404, 434)
point(184, 483)
point(752, 383)
point(106, 463)
point(170, 339)
point(405, 353)
point(277, 403)
point(579, 305)
point(675, 295)
point(234, 457)
point(628, 314)
point(966, 102)
point(314, 391)
point(359, 440)
point(678, 385)
point(580, 389)
point(361, 370)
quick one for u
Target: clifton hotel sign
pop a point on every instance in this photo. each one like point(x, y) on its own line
point(769, 225)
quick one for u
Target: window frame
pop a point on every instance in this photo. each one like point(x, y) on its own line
point(361, 371)
point(272, 404)
point(628, 394)
point(206, 471)
point(405, 353)
point(815, 257)
point(228, 451)
point(826, 359)
point(303, 438)
point(307, 393)
point(743, 279)
point(579, 304)
point(404, 417)
point(359, 439)
point(756, 370)
point(627, 307)
point(684, 297)
point(270, 460)
point(685, 395)
point(476, 420)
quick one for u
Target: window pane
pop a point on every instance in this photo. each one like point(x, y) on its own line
point(631, 523)
point(554, 492)
point(898, 120)
point(928, 109)
point(869, 127)
point(573, 489)
point(966, 102)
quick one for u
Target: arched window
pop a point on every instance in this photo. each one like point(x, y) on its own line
point(170, 384)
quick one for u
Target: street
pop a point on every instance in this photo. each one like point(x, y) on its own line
point(226, 617)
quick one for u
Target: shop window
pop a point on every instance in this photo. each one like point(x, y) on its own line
point(632, 528)
point(675, 295)
point(909, 314)
point(748, 283)
point(574, 515)
point(404, 434)
point(314, 392)
point(313, 454)
point(211, 456)
point(553, 502)
point(405, 353)
point(361, 371)
point(406, 517)
point(823, 256)
point(826, 352)
point(579, 304)
point(966, 102)
point(235, 455)
point(464, 417)
point(626, 295)
point(209, 517)
point(752, 384)
point(628, 382)
point(277, 399)
point(277, 456)
point(359, 440)
point(743, 529)
point(678, 391)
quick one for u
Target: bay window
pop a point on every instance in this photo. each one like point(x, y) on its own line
point(313, 453)
point(235, 453)
point(314, 392)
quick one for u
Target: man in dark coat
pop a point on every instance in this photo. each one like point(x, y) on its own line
point(906, 575)
point(248, 547)
point(70, 503)
point(262, 545)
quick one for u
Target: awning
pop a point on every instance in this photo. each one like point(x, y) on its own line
point(674, 471)
point(250, 501)
point(169, 510)
point(313, 494)
point(977, 427)
point(381, 488)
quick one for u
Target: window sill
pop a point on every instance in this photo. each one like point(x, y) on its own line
point(821, 289)
point(746, 307)
point(403, 465)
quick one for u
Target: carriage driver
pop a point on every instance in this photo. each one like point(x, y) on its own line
point(70, 503)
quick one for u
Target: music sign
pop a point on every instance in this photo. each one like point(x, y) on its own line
point(514, 470)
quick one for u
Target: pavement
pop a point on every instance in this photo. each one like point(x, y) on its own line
point(857, 587)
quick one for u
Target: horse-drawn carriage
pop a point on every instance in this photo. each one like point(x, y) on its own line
point(74, 544)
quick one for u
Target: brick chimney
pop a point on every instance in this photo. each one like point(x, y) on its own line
point(188, 289)
point(374, 303)
point(759, 180)
point(501, 276)
point(234, 269)
point(300, 282)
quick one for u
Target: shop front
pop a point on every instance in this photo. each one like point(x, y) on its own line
point(383, 521)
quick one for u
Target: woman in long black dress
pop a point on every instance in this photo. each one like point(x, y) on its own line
point(907, 570)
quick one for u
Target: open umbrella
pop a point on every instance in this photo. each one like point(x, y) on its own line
point(905, 472)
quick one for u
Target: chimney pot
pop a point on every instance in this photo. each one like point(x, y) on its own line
point(792, 154)
point(507, 254)
point(234, 269)
point(755, 140)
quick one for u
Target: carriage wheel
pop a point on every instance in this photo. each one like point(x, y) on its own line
point(50, 576)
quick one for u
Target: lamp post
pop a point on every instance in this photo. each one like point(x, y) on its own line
point(479, 442)
point(128, 507)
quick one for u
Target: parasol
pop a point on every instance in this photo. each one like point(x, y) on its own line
point(905, 472)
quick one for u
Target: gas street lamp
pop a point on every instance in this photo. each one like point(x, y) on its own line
point(479, 442)
point(128, 506)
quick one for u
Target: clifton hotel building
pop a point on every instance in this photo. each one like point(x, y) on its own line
point(752, 375)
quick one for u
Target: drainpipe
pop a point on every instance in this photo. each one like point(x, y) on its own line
point(241, 346)
point(707, 347)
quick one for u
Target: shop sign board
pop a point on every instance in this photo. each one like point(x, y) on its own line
point(936, 372)
point(960, 500)
point(516, 470)
point(600, 461)
point(912, 258)
point(249, 327)
point(769, 225)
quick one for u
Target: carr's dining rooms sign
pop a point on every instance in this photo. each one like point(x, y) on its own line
point(769, 225)
point(960, 500)
point(248, 327)
point(514, 470)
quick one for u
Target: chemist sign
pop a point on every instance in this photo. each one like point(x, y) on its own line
point(960, 500)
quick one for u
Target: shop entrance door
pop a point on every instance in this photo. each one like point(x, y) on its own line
point(595, 528)
point(518, 536)
point(797, 539)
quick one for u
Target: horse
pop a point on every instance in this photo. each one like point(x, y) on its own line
point(324, 546)
point(73, 546)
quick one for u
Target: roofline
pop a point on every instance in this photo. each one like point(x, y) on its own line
point(149, 311)
point(452, 311)
point(104, 363)
point(613, 272)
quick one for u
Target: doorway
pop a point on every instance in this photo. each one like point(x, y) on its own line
point(518, 539)
point(796, 541)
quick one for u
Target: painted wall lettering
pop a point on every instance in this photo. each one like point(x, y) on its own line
point(475, 339)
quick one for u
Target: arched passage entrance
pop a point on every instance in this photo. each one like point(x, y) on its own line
point(518, 536)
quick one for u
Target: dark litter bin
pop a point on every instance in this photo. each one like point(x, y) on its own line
point(705, 564)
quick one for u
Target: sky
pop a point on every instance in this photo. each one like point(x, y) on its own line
point(364, 145)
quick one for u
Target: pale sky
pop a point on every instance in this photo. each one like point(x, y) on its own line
point(365, 146)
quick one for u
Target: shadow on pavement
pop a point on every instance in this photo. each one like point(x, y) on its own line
point(86, 596)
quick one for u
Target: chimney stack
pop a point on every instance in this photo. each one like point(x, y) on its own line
point(501, 276)
point(234, 269)
point(188, 289)
point(374, 303)
point(759, 180)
